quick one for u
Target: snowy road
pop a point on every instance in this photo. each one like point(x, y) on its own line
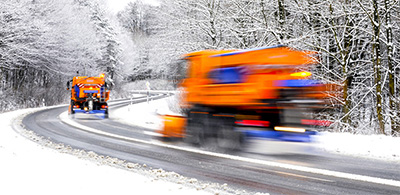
point(251, 172)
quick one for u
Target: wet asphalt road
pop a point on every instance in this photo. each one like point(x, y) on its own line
point(241, 175)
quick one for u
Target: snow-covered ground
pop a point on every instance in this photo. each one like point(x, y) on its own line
point(40, 166)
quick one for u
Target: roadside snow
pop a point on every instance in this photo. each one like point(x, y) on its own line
point(27, 167)
point(370, 146)
point(143, 114)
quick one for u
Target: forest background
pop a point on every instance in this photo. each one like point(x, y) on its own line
point(43, 43)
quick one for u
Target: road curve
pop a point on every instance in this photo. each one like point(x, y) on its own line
point(252, 172)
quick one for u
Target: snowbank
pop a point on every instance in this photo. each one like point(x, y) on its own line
point(27, 167)
point(144, 114)
point(370, 146)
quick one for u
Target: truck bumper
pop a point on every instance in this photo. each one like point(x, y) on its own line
point(279, 135)
point(90, 112)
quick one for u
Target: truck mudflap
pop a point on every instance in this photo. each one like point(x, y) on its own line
point(306, 136)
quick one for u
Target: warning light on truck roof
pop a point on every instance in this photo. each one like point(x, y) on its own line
point(301, 74)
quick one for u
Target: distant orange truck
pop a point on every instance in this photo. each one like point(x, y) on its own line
point(89, 95)
point(264, 92)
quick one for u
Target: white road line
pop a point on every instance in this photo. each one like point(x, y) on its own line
point(64, 117)
point(302, 176)
point(290, 174)
point(152, 133)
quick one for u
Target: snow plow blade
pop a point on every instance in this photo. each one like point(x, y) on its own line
point(173, 126)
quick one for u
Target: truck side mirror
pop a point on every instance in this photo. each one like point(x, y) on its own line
point(68, 85)
point(108, 86)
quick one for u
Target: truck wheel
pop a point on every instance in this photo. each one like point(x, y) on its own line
point(194, 133)
point(71, 112)
point(71, 108)
point(106, 114)
point(227, 138)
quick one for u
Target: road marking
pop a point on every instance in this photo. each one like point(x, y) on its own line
point(64, 117)
point(302, 176)
point(286, 173)
point(152, 133)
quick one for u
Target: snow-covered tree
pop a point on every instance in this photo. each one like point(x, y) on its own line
point(43, 43)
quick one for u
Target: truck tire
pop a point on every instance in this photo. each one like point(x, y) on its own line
point(106, 114)
point(71, 112)
point(194, 132)
point(227, 137)
point(71, 108)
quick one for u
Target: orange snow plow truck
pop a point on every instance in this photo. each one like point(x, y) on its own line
point(233, 95)
point(89, 95)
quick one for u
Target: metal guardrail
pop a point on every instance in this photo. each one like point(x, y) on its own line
point(152, 91)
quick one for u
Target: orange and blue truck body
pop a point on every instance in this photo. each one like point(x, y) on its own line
point(234, 94)
point(89, 95)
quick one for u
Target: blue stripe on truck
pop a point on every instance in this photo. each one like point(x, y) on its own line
point(91, 91)
point(280, 136)
point(296, 83)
